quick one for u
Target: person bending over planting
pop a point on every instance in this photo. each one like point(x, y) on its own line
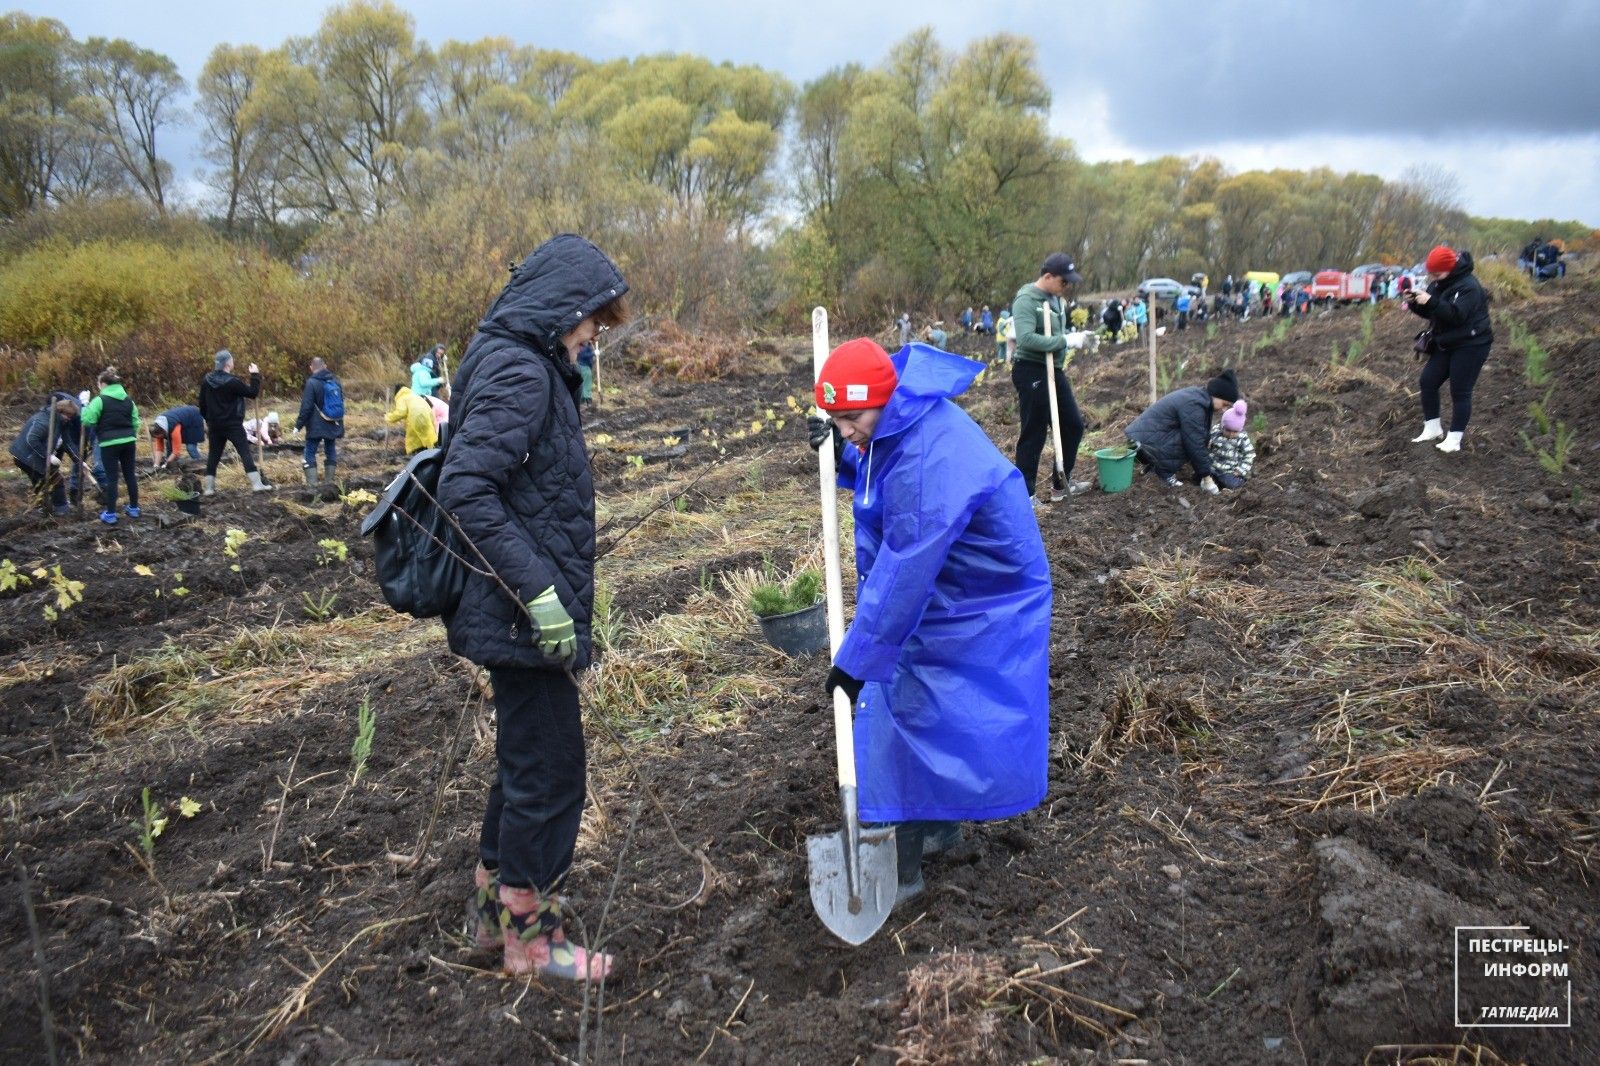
point(947, 658)
point(1176, 429)
point(516, 477)
point(174, 428)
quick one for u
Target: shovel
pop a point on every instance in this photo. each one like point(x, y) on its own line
point(1058, 476)
point(854, 871)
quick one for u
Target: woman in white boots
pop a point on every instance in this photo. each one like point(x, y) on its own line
point(1457, 309)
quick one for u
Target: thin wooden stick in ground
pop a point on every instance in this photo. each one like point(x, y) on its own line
point(47, 1019)
point(283, 801)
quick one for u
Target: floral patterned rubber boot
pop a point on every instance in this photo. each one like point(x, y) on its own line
point(483, 914)
point(536, 939)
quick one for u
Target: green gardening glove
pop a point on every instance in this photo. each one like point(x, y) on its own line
point(556, 637)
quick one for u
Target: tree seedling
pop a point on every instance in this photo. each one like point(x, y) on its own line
point(366, 726)
point(319, 608)
point(149, 826)
point(333, 551)
point(773, 598)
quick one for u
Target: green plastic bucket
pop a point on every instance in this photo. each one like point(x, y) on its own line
point(1116, 468)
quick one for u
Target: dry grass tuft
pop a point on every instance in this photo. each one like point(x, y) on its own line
point(1162, 714)
point(962, 1007)
point(250, 675)
point(703, 666)
point(949, 1017)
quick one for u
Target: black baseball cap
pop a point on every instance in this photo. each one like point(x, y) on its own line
point(1060, 264)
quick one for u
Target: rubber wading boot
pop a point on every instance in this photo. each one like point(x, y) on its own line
point(311, 478)
point(330, 474)
point(483, 915)
point(211, 486)
point(908, 841)
point(536, 939)
point(256, 484)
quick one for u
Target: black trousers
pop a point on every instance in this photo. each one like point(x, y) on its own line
point(1033, 403)
point(121, 459)
point(1461, 366)
point(530, 825)
point(219, 436)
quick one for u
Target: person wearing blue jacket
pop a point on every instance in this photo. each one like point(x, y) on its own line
point(177, 427)
point(425, 372)
point(947, 659)
point(322, 421)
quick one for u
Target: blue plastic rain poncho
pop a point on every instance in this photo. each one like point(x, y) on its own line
point(952, 624)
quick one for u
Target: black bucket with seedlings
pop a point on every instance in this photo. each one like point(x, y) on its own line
point(794, 617)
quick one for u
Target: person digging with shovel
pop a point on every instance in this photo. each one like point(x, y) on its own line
point(947, 660)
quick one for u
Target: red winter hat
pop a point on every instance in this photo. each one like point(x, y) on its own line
point(855, 376)
point(1440, 261)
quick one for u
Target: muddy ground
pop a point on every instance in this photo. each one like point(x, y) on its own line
point(1300, 733)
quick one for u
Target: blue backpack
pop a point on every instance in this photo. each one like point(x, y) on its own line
point(332, 407)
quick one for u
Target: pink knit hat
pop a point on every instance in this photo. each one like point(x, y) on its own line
point(1233, 417)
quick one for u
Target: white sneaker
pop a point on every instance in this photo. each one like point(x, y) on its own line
point(1451, 443)
point(1431, 430)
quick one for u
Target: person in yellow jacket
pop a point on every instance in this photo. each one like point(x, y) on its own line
point(417, 414)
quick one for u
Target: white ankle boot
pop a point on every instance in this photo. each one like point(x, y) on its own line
point(1451, 443)
point(1431, 430)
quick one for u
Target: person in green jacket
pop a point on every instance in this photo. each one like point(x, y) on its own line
point(1033, 302)
point(116, 420)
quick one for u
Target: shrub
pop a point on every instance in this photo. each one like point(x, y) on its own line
point(159, 311)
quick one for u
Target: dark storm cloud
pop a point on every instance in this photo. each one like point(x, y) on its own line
point(1180, 76)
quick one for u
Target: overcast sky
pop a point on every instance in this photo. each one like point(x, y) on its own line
point(1504, 95)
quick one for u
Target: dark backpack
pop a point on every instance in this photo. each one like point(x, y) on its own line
point(415, 548)
point(332, 408)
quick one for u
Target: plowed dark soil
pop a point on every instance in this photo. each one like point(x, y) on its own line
point(1300, 733)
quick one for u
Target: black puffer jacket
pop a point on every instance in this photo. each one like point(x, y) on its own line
point(1458, 308)
point(1174, 430)
point(516, 472)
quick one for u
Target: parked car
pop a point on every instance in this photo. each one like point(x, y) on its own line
point(1161, 288)
point(1298, 277)
point(1369, 268)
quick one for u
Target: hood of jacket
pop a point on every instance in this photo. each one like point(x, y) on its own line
point(116, 392)
point(927, 375)
point(217, 378)
point(561, 283)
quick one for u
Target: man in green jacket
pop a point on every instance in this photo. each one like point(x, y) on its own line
point(1028, 310)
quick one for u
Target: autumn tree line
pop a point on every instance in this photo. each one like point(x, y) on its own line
point(365, 189)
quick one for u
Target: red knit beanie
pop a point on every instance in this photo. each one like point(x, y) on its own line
point(1440, 261)
point(855, 376)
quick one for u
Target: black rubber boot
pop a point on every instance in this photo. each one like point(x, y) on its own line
point(940, 836)
point(908, 839)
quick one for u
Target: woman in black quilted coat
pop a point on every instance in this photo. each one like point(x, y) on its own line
point(516, 477)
